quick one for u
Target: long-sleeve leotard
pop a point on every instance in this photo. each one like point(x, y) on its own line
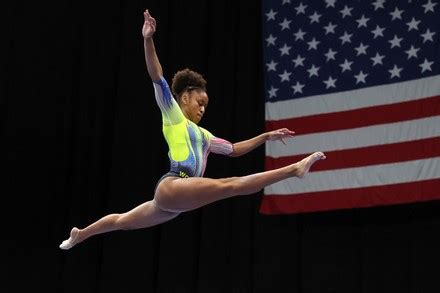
point(189, 145)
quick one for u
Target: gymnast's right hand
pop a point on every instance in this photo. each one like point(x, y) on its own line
point(149, 25)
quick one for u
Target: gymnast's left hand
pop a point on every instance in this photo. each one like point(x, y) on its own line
point(280, 134)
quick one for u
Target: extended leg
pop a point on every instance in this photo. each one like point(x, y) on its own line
point(145, 215)
point(184, 194)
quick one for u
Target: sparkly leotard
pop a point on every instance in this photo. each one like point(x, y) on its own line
point(189, 145)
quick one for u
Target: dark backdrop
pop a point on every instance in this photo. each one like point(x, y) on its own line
point(81, 137)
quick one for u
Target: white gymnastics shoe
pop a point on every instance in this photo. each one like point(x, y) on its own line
point(69, 243)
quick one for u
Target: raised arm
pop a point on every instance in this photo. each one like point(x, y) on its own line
point(244, 147)
point(151, 59)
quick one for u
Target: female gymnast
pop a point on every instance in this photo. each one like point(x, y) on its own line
point(184, 188)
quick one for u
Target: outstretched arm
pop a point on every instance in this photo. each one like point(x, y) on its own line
point(171, 112)
point(244, 147)
point(153, 64)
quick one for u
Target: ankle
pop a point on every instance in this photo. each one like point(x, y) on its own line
point(295, 170)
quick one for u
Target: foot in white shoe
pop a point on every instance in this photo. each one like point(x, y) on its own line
point(69, 243)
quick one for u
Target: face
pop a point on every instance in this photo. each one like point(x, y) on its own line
point(194, 104)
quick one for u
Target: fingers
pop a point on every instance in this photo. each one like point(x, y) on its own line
point(147, 15)
point(151, 21)
point(285, 132)
point(153, 24)
point(281, 134)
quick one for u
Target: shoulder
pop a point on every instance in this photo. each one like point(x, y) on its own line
point(205, 132)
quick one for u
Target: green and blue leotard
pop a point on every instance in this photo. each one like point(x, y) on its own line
point(189, 145)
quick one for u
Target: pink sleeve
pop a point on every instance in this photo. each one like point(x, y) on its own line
point(220, 146)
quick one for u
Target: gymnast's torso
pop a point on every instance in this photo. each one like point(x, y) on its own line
point(189, 144)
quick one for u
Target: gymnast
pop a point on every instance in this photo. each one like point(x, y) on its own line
point(184, 188)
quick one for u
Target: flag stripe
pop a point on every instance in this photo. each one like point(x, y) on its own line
point(380, 154)
point(356, 138)
point(349, 198)
point(366, 94)
point(359, 177)
point(355, 99)
point(361, 117)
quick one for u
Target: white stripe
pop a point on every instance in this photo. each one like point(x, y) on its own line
point(359, 177)
point(356, 138)
point(356, 99)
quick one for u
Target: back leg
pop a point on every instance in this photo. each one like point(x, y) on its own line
point(145, 215)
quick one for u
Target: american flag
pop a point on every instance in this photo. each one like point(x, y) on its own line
point(360, 81)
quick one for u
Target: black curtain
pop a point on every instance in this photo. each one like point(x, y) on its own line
point(81, 138)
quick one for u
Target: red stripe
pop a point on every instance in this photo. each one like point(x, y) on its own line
point(426, 107)
point(374, 155)
point(352, 198)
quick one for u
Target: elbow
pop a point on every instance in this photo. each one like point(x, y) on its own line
point(235, 152)
point(155, 75)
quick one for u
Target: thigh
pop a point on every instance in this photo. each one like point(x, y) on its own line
point(184, 194)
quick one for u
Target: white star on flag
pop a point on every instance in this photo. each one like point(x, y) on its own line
point(396, 14)
point(360, 77)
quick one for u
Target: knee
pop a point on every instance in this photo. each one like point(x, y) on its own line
point(232, 186)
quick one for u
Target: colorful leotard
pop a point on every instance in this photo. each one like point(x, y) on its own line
point(189, 145)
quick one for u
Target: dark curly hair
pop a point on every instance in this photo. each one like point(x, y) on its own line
point(186, 79)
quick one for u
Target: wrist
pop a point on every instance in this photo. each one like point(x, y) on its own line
point(266, 136)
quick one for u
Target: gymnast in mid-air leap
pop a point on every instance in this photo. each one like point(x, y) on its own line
point(184, 188)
